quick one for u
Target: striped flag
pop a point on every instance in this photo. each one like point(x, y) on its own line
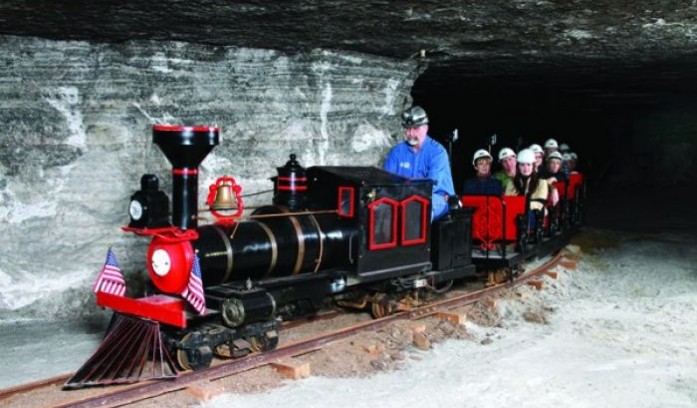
point(194, 290)
point(110, 279)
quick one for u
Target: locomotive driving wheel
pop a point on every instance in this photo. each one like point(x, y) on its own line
point(193, 354)
point(380, 306)
point(264, 342)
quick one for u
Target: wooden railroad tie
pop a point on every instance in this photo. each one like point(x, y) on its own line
point(294, 370)
point(536, 284)
point(204, 390)
point(553, 275)
point(567, 263)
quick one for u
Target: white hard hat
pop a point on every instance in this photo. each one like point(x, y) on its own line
point(526, 156)
point(573, 156)
point(554, 155)
point(505, 153)
point(551, 144)
point(536, 148)
point(566, 157)
point(478, 155)
point(564, 147)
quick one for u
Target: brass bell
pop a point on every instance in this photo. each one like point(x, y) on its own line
point(223, 197)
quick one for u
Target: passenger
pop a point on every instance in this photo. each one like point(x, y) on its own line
point(565, 158)
point(527, 181)
point(551, 146)
point(553, 171)
point(573, 159)
point(483, 183)
point(539, 156)
point(508, 161)
point(419, 156)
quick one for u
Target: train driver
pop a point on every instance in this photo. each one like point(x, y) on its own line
point(420, 156)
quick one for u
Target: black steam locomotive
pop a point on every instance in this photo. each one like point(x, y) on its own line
point(358, 235)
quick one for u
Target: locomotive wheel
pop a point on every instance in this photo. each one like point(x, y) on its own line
point(264, 342)
point(380, 306)
point(376, 310)
point(445, 286)
point(194, 358)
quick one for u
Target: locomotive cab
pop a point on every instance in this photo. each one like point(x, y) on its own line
point(390, 216)
point(394, 235)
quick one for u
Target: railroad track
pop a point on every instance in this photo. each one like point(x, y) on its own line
point(128, 394)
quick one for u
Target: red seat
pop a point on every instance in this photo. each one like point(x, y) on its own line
point(561, 187)
point(494, 217)
point(515, 206)
point(556, 211)
point(575, 180)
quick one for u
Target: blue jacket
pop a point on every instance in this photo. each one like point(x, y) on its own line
point(431, 161)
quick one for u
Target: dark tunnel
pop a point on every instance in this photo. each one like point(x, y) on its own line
point(628, 126)
point(632, 125)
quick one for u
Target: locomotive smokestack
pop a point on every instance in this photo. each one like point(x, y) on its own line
point(185, 147)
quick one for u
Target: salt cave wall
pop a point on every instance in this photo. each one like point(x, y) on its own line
point(76, 136)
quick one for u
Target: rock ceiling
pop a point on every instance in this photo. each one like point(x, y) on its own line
point(639, 47)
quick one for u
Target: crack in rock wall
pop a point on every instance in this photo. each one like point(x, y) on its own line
point(76, 136)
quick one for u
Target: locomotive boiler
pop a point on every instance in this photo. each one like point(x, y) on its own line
point(359, 235)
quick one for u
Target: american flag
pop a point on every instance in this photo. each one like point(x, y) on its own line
point(110, 279)
point(194, 291)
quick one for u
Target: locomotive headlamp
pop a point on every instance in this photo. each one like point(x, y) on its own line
point(161, 263)
point(149, 207)
point(135, 210)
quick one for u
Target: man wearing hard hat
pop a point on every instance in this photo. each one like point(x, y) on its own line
point(420, 156)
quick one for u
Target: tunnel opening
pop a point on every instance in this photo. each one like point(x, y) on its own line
point(627, 125)
point(631, 124)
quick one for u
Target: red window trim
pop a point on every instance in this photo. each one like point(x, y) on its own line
point(424, 220)
point(371, 228)
point(352, 192)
